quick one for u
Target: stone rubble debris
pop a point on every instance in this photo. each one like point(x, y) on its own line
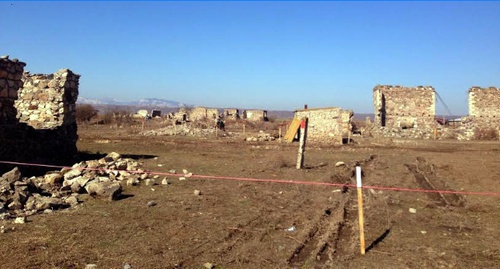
point(102, 178)
point(261, 137)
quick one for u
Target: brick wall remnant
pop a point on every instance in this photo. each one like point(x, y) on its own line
point(37, 115)
point(255, 115)
point(330, 125)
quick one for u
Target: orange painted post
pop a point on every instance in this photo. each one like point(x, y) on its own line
point(360, 210)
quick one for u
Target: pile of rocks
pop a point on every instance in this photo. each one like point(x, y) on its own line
point(184, 129)
point(261, 137)
point(21, 196)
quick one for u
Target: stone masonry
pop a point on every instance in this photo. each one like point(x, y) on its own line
point(330, 125)
point(255, 115)
point(405, 111)
point(231, 114)
point(202, 113)
point(37, 115)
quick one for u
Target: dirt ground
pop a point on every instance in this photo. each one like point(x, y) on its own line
point(248, 224)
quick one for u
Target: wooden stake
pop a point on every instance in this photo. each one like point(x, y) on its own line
point(279, 135)
point(360, 210)
point(244, 128)
point(435, 132)
point(302, 143)
point(143, 124)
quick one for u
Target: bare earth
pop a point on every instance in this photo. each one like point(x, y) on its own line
point(246, 224)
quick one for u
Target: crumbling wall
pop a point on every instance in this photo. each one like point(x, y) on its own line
point(48, 101)
point(231, 114)
point(37, 122)
point(483, 121)
point(484, 102)
point(330, 125)
point(404, 111)
point(202, 113)
point(255, 115)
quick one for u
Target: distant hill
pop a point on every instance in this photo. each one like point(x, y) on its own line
point(146, 102)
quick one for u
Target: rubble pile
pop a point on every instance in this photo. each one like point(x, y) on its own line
point(261, 137)
point(184, 129)
point(103, 178)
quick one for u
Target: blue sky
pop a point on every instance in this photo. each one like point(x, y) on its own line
point(268, 55)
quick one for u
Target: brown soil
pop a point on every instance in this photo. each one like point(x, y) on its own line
point(243, 224)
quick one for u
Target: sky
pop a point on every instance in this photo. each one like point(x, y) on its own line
point(262, 55)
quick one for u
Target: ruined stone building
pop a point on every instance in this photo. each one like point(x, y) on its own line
point(330, 125)
point(203, 113)
point(255, 115)
point(231, 114)
point(405, 111)
point(484, 112)
point(37, 114)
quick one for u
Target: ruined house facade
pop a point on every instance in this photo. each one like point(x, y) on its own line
point(203, 113)
point(37, 114)
point(329, 125)
point(231, 114)
point(255, 115)
point(484, 112)
point(405, 111)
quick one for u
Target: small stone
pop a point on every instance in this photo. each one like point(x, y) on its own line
point(339, 164)
point(184, 171)
point(182, 178)
point(197, 192)
point(48, 211)
point(160, 165)
point(423, 232)
point(208, 265)
point(188, 175)
point(164, 181)
point(172, 171)
point(127, 266)
point(151, 203)
point(20, 220)
point(91, 266)
point(150, 182)
point(412, 210)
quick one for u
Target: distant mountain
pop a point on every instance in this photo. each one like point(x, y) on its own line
point(146, 102)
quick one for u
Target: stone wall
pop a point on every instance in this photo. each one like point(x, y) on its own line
point(202, 113)
point(231, 114)
point(484, 102)
point(48, 101)
point(11, 72)
point(404, 111)
point(37, 122)
point(255, 115)
point(329, 125)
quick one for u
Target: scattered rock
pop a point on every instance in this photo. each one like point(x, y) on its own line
point(151, 203)
point(12, 176)
point(412, 210)
point(197, 192)
point(20, 220)
point(208, 265)
point(182, 178)
point(91, 266)
point(108, 190)
point(127, 266)
point(164, 181)
point(339, 164)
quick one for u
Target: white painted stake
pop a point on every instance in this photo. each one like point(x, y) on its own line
point(360, 210)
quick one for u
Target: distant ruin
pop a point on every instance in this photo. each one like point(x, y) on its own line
point(231, 114)
point(255, 115)
point(203, 113)
point(330, 125)
point(37, 114)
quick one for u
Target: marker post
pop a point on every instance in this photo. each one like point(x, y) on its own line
point(360, 210)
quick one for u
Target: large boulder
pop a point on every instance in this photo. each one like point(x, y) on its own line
point(12, 176)
point(108, 190)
